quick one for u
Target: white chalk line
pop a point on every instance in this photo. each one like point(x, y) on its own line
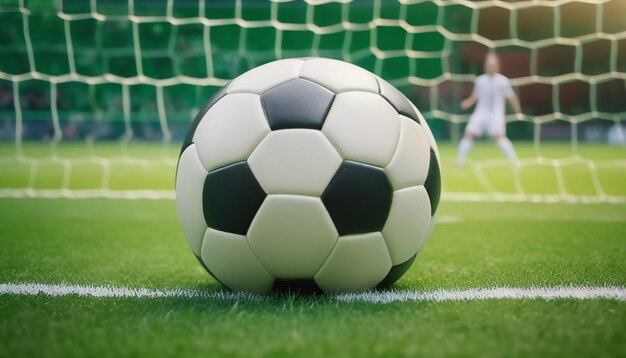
point(19, 193)
point(449, 219)
point(492, 293)
point(617, 293)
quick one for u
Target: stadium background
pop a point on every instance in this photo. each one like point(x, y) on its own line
point(117, 73)
point(566, 60)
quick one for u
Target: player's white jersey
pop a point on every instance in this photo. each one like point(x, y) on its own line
point(491, 92)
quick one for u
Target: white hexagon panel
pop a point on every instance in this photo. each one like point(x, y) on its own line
point(294, 161)
point(358, 262)
point(292, 235)
point(408, 223)
point(189, 184)
point(364, 127)
point(228, 257)
point(409, 164)
point(230, 130)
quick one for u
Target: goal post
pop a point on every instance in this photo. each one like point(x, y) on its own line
point(96, 95)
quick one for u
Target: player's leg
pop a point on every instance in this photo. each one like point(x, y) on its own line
point(472, 130)
point(464, 148)
point(497, 132)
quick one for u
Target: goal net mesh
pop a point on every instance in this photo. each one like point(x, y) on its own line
point(88, 87)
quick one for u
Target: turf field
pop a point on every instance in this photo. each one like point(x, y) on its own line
point(139, 244)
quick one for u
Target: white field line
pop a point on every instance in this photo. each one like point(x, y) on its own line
point(473, 294)
point(171, 195)
point(492, 293)
point(449, 219)
point(55, 290)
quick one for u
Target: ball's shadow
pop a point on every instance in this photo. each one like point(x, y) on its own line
point(308, 289)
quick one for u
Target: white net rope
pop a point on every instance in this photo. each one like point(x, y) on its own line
point(331, 29)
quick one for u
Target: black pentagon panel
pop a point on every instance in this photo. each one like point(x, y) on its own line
point(298, 287)
point(396, 99)
point(231, 197)
point(358, 198)
point(396, 272)
point(196, 121)
point(297, 103)
point(433, 182)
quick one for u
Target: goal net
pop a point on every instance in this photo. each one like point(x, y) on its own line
point(95, 96)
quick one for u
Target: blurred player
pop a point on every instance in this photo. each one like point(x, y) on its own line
point(490, 92)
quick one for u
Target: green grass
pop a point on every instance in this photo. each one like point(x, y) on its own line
point(140, 244)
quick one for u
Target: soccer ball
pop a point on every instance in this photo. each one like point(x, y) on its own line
point(308, 174)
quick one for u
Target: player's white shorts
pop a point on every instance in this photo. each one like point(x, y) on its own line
point(481, 124)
